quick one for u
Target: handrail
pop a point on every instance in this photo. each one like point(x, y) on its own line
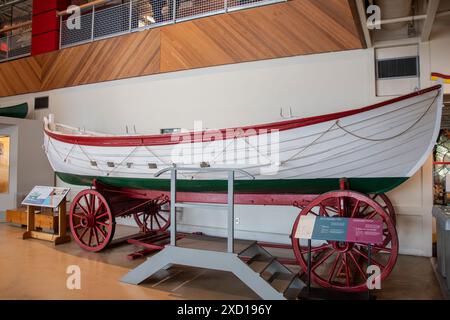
point(83, 6)
point(160, 172)
point(16, 26)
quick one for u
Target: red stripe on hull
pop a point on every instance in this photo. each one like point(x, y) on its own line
point(205, 136)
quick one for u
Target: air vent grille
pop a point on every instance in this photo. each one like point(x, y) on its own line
point(398, 68)
point(41, 103)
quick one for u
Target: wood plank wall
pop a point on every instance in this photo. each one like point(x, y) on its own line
point(297, 27)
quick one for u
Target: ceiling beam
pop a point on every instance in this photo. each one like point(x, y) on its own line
point(433, 6)
point(363, 19)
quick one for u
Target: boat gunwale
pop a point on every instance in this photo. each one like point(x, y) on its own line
point(192, 137)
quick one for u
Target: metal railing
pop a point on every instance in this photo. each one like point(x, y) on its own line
point(15, 45)
point(136, 15)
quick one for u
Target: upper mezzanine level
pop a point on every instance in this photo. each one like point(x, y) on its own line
point(138, 38)
point(100, 19)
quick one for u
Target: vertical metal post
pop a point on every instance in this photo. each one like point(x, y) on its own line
point(225, 5)
point(369, 262)
point(309, 266)
point(131, 15)
point(60, 30)
point(7, 46)
point(174, 11)
point(173, 208)
point(230, 211)
point(92, 23)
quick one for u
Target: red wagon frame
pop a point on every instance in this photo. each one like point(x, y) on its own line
point(93, 213)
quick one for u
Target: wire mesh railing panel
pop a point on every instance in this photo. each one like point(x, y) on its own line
point(161, 11)
point(142, 14)
point(19, 45)
point(186, 9)
point(111, 21)
point(15, 45)
point(3, 48)
point(236, 4)
point(76, 30)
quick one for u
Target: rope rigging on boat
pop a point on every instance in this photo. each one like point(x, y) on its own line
point(336, 124)
point(228, 143)
point(394, 136)
point(309, 145)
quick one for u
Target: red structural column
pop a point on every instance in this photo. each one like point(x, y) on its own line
point(45, 27)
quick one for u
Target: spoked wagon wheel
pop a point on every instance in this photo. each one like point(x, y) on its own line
point(369, 213)
point(91, 221)
point(383, 200)
point(156, 217)
point(343, 265)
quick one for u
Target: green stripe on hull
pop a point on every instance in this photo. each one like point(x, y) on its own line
point(301, 186)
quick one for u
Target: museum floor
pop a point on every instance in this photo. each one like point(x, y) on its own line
point(34, 269)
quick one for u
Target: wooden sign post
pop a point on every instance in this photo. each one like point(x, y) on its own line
point(51, 198)
point(61, 237)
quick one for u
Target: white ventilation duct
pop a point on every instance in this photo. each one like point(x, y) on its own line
point(391, 9)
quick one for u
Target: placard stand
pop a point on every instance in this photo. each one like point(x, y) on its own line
point(319, 294)
point(337, 230)
point(61, 237)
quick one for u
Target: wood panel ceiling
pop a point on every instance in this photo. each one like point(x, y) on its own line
point(297, 27)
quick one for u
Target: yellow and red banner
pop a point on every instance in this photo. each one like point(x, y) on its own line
point(435, 76)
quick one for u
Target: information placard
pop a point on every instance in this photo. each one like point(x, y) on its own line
point(340, 229)
point(42, 196)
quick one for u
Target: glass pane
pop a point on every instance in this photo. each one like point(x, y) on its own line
point(4, 164)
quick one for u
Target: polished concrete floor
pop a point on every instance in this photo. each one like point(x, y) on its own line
point(34, 269)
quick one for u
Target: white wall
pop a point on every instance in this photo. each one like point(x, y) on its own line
point(222, 96)
point(440, 48)
point(249, 93)
point(28, 163)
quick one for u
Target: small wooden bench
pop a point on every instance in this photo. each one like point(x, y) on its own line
point(44, 219)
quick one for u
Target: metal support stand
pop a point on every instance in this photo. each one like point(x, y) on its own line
point(369, 262)
point(309, 266)
point(229, 261)
point(324, 294)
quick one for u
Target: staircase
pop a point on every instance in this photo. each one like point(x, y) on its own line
point(277, 275)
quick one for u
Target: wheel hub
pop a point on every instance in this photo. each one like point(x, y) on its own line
point(91, 221)
point(342, 246)
point(84, 222)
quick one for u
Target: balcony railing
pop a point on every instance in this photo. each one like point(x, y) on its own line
point(15, 45)
point(137, 15)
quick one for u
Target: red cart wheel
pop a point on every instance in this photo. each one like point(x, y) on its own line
point(386, 205)
point(91, 221)
point(156, 217)
point(383, 200)
point(342, 265)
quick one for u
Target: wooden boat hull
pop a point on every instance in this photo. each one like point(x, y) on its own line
point(376, 148)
